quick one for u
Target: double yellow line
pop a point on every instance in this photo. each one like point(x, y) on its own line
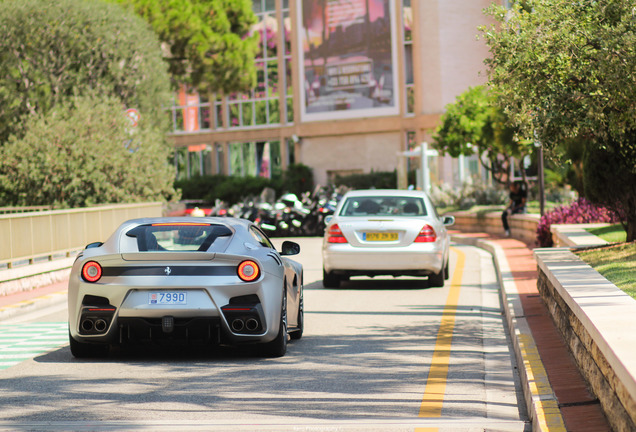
point(435, 389)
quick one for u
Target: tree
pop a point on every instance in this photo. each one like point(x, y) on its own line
point(53, 50)
point(567, 71)
point(207, 42)
point(83, 152)
point(475, 124)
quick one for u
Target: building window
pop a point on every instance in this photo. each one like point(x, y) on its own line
point(407, 41)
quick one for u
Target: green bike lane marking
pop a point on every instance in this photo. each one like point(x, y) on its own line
point(20, 342)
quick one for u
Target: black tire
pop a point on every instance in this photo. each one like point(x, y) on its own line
point(278, 347)
point(85, 350)
point(446, 271)
point(300, 323)
point(437, 279)
point(330, 280)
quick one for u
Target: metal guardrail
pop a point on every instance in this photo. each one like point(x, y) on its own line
point(10, 210)
point(26, 238)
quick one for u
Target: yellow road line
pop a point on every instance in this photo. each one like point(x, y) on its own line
point(436, 383)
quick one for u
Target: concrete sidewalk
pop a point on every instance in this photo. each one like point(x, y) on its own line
point(556, 393)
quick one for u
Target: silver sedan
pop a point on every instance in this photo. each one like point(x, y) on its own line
point(197, 281)
point(386, 232)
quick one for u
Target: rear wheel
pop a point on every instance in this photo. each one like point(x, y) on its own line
point(446, 270)
point(86, 350)
point(330, 280)
point(278, 347)
point(298, 333)
point(437, 279)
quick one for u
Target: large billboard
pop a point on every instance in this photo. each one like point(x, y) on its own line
point(347, 59)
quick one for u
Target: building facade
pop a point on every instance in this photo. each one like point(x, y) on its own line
point(343, 87)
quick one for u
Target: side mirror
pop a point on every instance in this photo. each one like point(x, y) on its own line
point(93, 245)
point(448, 220)
point(290, 248)
point(328, 219)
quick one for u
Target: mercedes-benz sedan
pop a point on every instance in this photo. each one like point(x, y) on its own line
point(386, 232)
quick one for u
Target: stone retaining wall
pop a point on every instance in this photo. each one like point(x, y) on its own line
point(596, 320)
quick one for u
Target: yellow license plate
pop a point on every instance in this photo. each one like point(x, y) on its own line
point(381, 236)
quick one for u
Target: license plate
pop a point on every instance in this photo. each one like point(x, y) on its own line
point(168, 298)
point(381, 236)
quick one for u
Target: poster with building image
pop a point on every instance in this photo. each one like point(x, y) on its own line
point(348, 61)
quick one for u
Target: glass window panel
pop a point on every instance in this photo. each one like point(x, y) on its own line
point(235, 118)
point(260, 91)
point(205, 117)
point(408, 67)
point(257, 6)
point(287, 34)
point(285, 4)
point(290, 110)
point(178, 120)
point(291, 151)
point(288, 76)
point(274, 114)
point(275, 159)
point(272, 78)
point(270, 28)
point(261, 112)
point(407, 15)
point(270, 5)
point(248, 113)
point(218, 115)
point(410, 100)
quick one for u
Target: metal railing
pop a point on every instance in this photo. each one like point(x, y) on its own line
point(35, 236)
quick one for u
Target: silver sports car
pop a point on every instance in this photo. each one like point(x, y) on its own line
point(386, 232)
point(190, 280)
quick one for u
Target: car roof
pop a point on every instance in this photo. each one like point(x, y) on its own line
point(228, 221)
point(385, 192)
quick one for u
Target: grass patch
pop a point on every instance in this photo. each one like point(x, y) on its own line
point(611, 234)
point(617, 263)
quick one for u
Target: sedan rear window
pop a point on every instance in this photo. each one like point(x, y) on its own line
point(383, 206)
point(177, 236)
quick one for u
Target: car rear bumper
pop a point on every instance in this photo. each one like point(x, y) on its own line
point(415, 259)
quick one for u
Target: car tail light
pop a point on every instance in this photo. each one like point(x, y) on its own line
point(426, 235)
point(335, 235)
point(92, 271)
point(248, 271)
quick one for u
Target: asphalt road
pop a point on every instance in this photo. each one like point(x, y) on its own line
point(378, 354)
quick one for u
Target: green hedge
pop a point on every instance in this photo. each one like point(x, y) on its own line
point(296, 179)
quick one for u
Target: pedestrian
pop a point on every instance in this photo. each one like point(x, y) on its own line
point(518, 197)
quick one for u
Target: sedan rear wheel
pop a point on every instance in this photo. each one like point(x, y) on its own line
point(330, 280)
point(437, 279)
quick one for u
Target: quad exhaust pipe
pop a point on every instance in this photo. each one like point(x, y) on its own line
point(239, 324)
point(89, 325)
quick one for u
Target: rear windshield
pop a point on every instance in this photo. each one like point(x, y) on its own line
point(383, 206)
point(178, 236)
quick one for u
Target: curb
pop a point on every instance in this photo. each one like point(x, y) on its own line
point(32, 304)
point(542, 404)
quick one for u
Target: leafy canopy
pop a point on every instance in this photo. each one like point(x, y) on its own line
point(474, 124)
point(81, 153)
point(207, 42)
point(51, 50)
point(566, 70)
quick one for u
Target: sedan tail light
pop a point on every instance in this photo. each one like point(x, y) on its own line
point(426, 235)
point(335, 235)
